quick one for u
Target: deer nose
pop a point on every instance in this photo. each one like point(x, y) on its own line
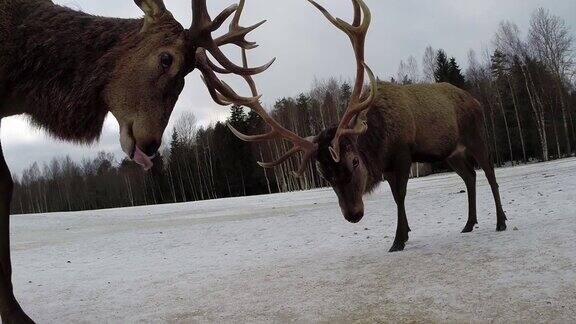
point(354, 216)
point(150, 148)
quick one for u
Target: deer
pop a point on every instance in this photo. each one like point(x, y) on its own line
point(66, 70)
point(383, 132)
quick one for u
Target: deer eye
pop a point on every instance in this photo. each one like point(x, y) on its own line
point(355, 163)
point(166, 60)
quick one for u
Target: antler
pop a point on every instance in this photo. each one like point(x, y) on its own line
point(200, 34)
point(222, 93)
point(357, 109)
point(306, 145)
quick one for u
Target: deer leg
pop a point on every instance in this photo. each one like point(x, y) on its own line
point(398, 181)
point(459, 162)
point(10, 310)
point(483, 159)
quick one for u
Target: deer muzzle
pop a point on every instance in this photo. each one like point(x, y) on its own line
point(353, 214)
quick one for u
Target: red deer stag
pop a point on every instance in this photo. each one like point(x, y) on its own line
point(381, 136)
point(66, 70)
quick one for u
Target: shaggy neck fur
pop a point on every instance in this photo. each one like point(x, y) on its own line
point(56, 62)
point(371, 146)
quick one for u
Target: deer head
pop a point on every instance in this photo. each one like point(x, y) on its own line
point(149, 74)
point(335, 149)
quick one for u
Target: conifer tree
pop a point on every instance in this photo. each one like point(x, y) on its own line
point(455, 76)
point(442, 72)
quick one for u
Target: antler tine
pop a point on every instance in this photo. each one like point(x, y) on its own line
point(361, 110)
point(358, 107)
point(237, 34)
point(282, 159)
point(219, 90)
point(249, 79)
point(222, 17)
point(357, 34)
point(200, 38)
point(202, 27)
point(233, 68)
point(342, 25)
point(307, 157)
point(278, 131)
point(201, 21)
point(254, 138)
point(219, 99)
point(299, 144)
point(216, 68)
point(237, 37)
point(358, 27)
point(357, 14)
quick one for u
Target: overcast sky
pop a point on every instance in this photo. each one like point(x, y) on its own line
point(306, 47)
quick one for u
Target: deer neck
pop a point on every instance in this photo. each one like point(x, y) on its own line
point(58, 62)
point(372, 147)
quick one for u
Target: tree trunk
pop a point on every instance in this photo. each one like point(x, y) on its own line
point(564, 118)
point(538, 114)
point(264, 170)
point(243, 184)
point(171, 184)
point(555, 128)
point(199, 173)
point(129, 187)
point(505, 123)
point(521, 133)
point(190, 177)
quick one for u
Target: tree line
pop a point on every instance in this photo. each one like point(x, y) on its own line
point(526, 84)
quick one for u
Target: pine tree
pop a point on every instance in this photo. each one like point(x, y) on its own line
point(442, 72)
point(174, 144)
point(498, 66)
point(238, 160)
point(448, 70)
point(237, 117)
point(345, 93)
point(455, 76)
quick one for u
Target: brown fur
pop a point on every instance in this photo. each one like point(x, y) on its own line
point(66, 70)
point(406, 124)
point(401, 117)
point(429, 119)
point(56, 62)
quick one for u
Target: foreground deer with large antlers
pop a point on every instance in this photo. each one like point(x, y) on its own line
point(66, 70)
point(379, 138)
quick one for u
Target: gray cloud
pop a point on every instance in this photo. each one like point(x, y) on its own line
point(307, 47)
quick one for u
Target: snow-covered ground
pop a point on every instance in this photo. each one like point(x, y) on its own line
point(293, 257)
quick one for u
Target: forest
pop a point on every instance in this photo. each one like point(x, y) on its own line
point(526, 83)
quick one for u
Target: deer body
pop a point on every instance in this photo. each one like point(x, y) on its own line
point(67, 70)
point(406, 124)
point(428, 120)
point(384, 131)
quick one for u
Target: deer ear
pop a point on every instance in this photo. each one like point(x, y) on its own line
point(360, 123)
point(153, 9)
point(335, 154)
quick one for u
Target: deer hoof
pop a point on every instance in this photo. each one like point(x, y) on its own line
point(501, 227)
point(17, 317)
point(397, 247)
point(468, 228)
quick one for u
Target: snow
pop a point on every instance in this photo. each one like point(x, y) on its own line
point(293, 257)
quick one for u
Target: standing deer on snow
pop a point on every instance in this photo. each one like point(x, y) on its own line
point(381, 136)
point(66, 70)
